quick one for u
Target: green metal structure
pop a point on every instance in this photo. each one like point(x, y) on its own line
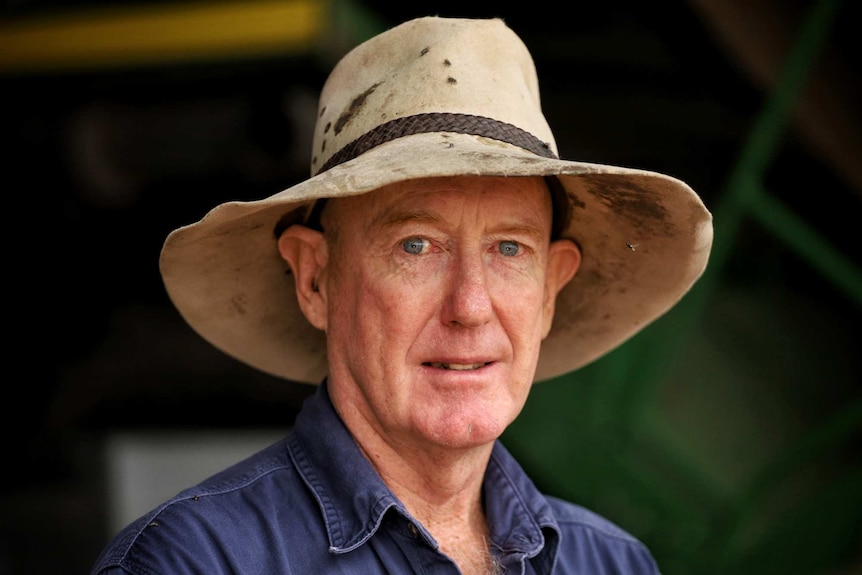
point(660, 434)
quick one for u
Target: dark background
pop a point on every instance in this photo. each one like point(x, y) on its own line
point(727, 436)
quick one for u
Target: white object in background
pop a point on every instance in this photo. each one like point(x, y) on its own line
point(146, 468)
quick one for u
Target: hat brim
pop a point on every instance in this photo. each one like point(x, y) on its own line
point(645, 239)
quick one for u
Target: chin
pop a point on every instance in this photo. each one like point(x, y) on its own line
point(465, 432)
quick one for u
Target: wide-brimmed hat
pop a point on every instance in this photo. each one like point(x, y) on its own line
point(440, 97)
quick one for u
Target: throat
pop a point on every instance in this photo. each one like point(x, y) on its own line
point(472, 557)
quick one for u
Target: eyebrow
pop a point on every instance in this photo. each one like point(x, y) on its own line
point(395, 216)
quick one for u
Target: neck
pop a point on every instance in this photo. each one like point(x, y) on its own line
point(453, 515)
point(440, 486)
point(445, 496)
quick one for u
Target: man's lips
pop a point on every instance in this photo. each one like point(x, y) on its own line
point(457, 366)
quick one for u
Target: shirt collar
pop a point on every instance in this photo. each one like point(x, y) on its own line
point(353, 498)
point(519, 516)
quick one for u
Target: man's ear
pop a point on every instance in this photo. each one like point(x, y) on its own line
point(306, 252)
point(564, 259)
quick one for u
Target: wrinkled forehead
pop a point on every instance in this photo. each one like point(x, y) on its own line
point(409, 199)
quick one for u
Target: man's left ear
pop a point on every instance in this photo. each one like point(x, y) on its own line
point(564, 259)
point(305, 251)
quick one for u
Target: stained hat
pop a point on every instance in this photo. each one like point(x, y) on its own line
point(440, 97)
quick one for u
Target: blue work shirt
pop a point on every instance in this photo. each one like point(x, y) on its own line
point(312, 504)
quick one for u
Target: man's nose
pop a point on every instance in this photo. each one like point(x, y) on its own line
point(468, 301)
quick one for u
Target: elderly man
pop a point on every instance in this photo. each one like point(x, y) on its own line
point(440, 260)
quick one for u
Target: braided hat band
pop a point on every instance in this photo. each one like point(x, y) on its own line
point(440, 122)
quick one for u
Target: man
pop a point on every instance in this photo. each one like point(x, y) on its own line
point(440, 260)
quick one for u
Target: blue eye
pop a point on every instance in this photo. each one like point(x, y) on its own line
point(509, 248)
point(414, 246)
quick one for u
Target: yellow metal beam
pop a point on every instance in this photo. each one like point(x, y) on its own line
point(164, 33)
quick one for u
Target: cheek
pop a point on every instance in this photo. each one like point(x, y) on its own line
point(406, 289)
point(521, 311)
point(377, 315)
point(398, 312)
point(522, 296)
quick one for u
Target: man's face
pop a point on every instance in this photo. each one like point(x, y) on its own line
point(438, 294)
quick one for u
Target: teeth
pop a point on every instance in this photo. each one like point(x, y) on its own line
point(457, 366)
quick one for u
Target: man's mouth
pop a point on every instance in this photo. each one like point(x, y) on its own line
point(457, 366)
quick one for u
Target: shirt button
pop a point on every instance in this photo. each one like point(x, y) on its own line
point(414, 533)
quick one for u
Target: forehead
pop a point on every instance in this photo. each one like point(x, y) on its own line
point(519, 198)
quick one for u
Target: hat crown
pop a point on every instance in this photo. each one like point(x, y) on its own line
point(431, 66)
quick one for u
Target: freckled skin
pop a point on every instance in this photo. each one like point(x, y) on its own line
point(429, 272)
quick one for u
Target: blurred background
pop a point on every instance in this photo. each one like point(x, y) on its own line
point(726, 435)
